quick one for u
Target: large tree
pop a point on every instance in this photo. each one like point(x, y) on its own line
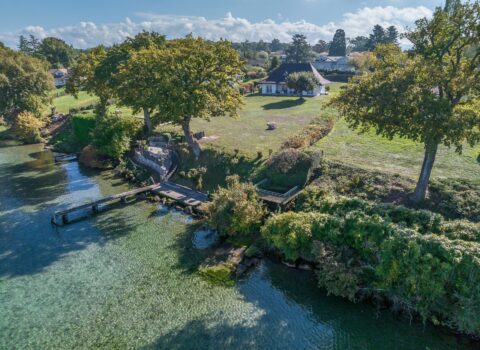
point(378, 37)
point(320, 46)
point(25, 84)
point(193, 78)
point(430, 95)
point(84, 77)
point(359, 44)
point(128, 78)
point(299, 50)
point(338, 46)
point(302, 81)
point(58, 53)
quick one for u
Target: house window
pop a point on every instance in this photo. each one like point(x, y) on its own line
point(269, 89)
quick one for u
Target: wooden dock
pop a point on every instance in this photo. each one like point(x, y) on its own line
point(184, 195)
point(61, 217)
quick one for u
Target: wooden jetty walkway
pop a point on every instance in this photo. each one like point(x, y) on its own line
point(182, 194)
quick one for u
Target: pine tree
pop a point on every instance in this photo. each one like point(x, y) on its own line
point(299, 51)
point(338, 47)
point(392, 35)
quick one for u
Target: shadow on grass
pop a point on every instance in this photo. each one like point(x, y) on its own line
point(283, 104)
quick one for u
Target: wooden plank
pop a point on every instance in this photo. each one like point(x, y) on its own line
point(107, 199)
point(181, 194)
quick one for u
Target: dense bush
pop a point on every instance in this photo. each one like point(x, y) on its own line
point(288, 168)
point(416, 259)
point(113, 134)
point(236, 209)
point(26, 128)
point(455, 198)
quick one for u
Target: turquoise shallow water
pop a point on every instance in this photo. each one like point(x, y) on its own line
point(127, 279)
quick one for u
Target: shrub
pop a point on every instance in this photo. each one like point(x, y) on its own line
point(113, 134)
point(309, 135)
point(432, 275)
point(288, 168)
point(26, 128)
point(236, 209)
point(291, 234)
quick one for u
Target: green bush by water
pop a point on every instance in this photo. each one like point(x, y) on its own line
point(416, 259)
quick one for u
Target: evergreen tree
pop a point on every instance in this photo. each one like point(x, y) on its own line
point(450, 5)
point(299, 51)
point(379, 36)
point(338, 47)
point(320, 46)
point(275, 45)
point(392, 35)
point(274, 63)
point(359, 44)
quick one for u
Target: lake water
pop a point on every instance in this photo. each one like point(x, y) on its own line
point(127, 279)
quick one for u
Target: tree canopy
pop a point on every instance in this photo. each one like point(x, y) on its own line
point(338, 46)
point(302, 81)
point(191, 78)
point(55, 51)
point(127, 77)
point(25, 84)
point(299, 50)
point(429, 95)
point(84, 77)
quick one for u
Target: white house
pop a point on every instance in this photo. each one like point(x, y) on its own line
point(326, 63)
point(276, 83)
point(60, 76)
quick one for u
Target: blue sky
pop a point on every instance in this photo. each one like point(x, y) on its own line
point(87, 22)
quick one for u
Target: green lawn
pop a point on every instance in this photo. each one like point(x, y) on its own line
point(248, 133)
point(399, 156)
point(66, 102)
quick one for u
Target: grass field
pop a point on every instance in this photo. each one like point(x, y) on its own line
point(399, 156)
point(248, 133)
point(66, 102)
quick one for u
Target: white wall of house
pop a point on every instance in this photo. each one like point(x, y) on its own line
point(282, 89)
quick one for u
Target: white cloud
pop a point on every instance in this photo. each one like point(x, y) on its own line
point(88, 34)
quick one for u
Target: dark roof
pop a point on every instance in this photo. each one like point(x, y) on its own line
point(280, 74)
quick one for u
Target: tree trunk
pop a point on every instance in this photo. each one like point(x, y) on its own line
point(195, 146)
point(422, 184)
point(148, 120)
point(101, 109)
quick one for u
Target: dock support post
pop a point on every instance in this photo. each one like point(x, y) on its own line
point(65, 219)
point(95, 208)
point(124, 200)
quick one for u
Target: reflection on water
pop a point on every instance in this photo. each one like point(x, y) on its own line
point(127, 279)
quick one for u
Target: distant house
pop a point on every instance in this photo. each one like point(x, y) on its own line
point(326, 63)
point(60, 76)
point(276, 83)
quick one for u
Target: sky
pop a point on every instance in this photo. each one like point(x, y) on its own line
point(86, 23)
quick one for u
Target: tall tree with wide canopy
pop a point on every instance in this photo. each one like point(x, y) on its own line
point(58, 53)
point(127, 77)
point(84, 77)
point(338, 46)
point(299, 50)
point(302, 81)
point(193, 78)
point(25, 84)
point(430, 95)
